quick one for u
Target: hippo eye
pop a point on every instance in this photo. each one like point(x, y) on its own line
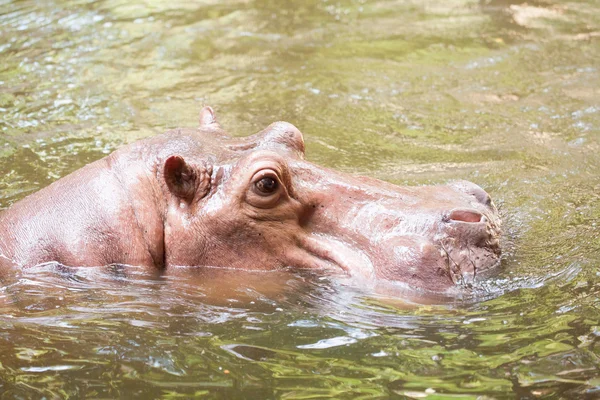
point(266, 189)
point(266, 185)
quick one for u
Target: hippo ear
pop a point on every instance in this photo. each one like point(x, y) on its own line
point(207, 117)
point(186, 182)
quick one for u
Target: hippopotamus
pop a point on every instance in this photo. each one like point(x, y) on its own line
point(199, 197)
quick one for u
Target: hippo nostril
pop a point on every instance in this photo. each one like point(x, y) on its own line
point(474, 190)
point(481, 195)
point(465, 216)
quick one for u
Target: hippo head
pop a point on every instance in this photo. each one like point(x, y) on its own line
point(255, 203)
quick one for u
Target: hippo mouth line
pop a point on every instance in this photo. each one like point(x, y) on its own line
point(327, 252)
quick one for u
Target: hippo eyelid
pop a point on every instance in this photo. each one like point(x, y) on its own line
point(265, 173)
point(277, 170)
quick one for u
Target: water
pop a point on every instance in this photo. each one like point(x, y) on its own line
point(502, 93)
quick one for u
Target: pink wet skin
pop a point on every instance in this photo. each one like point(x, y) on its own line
point(197, 197)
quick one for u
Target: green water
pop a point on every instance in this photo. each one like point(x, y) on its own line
point(503, 93)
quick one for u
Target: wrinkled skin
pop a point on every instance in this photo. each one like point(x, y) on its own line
point(196, 197)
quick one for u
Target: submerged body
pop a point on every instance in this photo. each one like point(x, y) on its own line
point(196, 197)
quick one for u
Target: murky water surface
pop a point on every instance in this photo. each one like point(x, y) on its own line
point(503, 93)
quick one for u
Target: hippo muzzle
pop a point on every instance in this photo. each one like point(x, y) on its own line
point(428, 237)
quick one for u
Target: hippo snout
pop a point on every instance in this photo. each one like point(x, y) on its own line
point(429, 237)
